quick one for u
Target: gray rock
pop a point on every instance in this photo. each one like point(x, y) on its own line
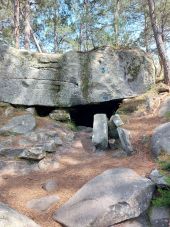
point(42, 204)
point(84, 128)
point(124, 136)
point(73, 78)
point(10, 152)
point(113, 134)
point(19, 125)
point(160, 141)
point(33, 153)
point(160, 216)
point(51, 146)
point(112, 197)
point(60, 115)
point(11, 218)
point(158, 178)
point(100, 131)
point(48, 164)
point(117, 120)
point(141, 221)
point(165, 108)
point(50, 185)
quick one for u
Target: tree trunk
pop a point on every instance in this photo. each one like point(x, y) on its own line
point(27, 25)
point(159, 42)
point(116, 23)
point(16, 22)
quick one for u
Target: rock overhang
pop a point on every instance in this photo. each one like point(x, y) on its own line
point(73, 78)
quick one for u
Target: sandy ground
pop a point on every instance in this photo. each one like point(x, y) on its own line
point(79, 164)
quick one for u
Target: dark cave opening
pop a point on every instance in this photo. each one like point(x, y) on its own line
point(44, 111)
point(83, 114)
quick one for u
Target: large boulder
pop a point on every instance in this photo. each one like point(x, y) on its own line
point(160, 140)
point(11, 218)
point(100, 131)
point(73, 78)
point(112, 197)
point(19, 125)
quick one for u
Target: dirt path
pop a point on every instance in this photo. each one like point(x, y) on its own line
point(79, 163)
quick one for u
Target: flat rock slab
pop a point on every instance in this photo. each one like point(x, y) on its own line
point(112, 197)
point(161, 140)
point(43, 204)
point(33, 153)
point(19, 125)
point(11, 218)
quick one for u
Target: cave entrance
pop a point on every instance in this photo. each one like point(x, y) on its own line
point(83, 114)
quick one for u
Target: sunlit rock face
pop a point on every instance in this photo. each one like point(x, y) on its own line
point(73, 78)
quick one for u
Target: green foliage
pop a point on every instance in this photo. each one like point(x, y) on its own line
point(72, 126)
point(167, 115)
point(163, 198)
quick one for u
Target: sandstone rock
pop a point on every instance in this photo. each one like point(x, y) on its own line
point(11, 218)
point(124, 136)
point(43, 204)
point(73, 78)
point(160, 140)
point(50, 186)
point(19, 125)
point(100, 131)
point(165, 108)
point(60, 115)
point(34, 153)
point(160, 216)
point(112, 197)
point(158, 178)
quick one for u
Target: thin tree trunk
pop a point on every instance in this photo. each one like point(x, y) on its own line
point(116, 23)
point(27, 25)
point(36, 42)
point(16, 22)
point(55, 31)
point(159, 42)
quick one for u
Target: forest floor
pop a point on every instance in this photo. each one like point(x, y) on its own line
point(78, 164)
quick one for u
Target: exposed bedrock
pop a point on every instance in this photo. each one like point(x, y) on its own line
point(73, 78)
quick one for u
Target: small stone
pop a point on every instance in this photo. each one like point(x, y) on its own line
point(43, 204)
point(34, 153)
point(50, 146)
point(48, 164)
point(112, 144)
point(50, 185)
